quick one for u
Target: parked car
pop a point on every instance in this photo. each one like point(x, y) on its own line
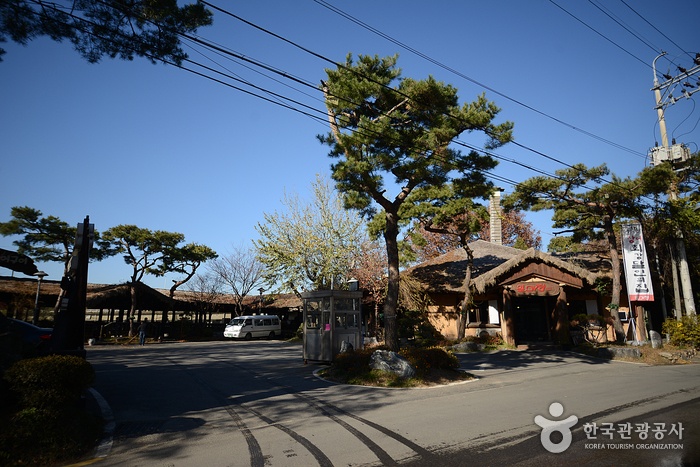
point(247, 327)
point(25, 338)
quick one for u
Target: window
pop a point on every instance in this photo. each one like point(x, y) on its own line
point(313, 321)
point(267, 322)
point(494, 316)
point(485, 312)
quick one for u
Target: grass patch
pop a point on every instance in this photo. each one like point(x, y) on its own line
point(649, 355)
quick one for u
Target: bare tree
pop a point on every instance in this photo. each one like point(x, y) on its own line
point(206, 291)
point(241, 271)
point(370, 271)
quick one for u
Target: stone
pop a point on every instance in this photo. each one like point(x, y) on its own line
point(370, 341)
point(387, 360)
point(346, 347)
point(656, 340)
point(612, 352)
point(468, 347)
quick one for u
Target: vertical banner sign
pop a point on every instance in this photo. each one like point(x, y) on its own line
point(637, 269)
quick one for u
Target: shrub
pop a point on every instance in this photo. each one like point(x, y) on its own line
point(43, 423)
point(51, 382)
point(353, 362)
point(683, 333)
point(432, 358)
point(45, 437)
point(488, 340)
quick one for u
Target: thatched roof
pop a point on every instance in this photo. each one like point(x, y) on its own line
point(492, 277)
point(492, 262)
point(27, 286)
point(119, 297)
point(274, 301)
point(98, 295)
point(446, 272)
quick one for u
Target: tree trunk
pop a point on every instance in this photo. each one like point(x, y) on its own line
point(616, 284)
point(464, 308)
point(391, 234)
point(132, 291)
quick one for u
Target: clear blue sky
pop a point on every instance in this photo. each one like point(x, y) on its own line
point(159, 147)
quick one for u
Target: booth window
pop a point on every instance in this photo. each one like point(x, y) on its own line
point(346, 320)
point(313, 320)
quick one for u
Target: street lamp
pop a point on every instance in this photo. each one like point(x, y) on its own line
point(261, 290)
point(40, 275)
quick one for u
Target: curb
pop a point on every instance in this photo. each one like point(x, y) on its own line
point(103, 449)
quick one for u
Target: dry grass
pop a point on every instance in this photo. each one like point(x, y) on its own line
point(649, 355)
point(385, 379)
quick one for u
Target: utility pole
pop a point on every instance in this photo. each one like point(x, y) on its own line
point(677, 155)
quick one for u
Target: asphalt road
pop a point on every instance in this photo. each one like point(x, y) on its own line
point(257, 404)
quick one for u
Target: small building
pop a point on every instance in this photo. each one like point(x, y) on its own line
point(523, 295)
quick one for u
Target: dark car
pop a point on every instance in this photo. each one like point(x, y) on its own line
point(24, 338)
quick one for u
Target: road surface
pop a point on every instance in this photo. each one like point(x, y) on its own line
point(257, 404)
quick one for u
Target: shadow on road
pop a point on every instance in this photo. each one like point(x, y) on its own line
point(522, 359)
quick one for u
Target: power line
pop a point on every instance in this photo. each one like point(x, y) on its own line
point(599, 33)
point(365, 77)
point(472, 80)
point(619, 22)
point(221, 50)
point(655, 28)
point(266, 31)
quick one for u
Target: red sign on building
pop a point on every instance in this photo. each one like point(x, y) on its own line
point(535, 289)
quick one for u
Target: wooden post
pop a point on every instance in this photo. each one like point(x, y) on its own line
point(507, 323)
point(562, 318)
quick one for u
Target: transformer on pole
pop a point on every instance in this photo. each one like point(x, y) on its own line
point(677, 155)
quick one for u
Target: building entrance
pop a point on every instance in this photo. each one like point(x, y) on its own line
point(532, 322)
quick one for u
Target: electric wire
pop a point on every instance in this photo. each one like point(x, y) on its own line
point(619, 22)
point(286, 75)
point(266, 31)
point(472, 80)
point(655, 28)
point(599, 33)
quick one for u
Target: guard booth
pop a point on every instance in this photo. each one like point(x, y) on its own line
point(331, 317)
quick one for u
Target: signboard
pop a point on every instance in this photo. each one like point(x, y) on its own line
point(637, 270)
point(535, 289)
point(17, 262)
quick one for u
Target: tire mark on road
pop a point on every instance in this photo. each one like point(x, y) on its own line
point(256, 455)
point(324, 407)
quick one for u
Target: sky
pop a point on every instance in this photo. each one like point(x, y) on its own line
point(130, 142)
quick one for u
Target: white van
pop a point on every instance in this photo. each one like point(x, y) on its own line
point(247, 327)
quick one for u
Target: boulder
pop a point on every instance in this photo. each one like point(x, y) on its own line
point(656, 339)
point(468, 347)
point(387, 360)
point(346, 347)
point(612, 352)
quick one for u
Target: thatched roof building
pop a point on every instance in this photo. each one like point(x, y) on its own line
point(520, 294)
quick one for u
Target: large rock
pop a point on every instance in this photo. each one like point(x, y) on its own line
point(387, 360)
point(612, 352)
point(656, 339)
point(468, 347)
point(346, 347)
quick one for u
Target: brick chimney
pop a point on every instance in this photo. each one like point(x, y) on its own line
point(496, 235)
